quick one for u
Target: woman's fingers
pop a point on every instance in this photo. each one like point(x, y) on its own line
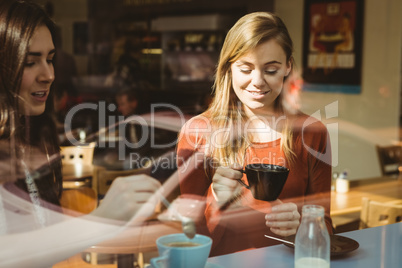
point(283, 212)
point(236, 166)
point(229, 173)
point(284, 207)
point(283, 232)
point(139, 182)
point(127, 195)
point(225, 184)
point(284, 219)
point(293, 223)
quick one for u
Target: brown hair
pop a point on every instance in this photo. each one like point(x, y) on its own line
point(18, 22)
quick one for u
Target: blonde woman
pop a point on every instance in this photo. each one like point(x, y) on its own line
point(248, 122)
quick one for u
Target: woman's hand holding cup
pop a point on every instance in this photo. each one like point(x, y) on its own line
point(225, 183)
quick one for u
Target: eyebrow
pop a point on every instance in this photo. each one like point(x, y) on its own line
point(267, 63)
point(273, 62)
point(38, 54)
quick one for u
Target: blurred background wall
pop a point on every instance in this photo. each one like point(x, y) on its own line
point(362, 120)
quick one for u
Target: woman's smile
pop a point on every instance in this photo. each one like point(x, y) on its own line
point(258, 94)
point(40, 96)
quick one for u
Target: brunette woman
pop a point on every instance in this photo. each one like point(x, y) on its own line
point(33, 231)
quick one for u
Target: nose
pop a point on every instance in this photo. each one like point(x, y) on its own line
point(47, 73)
point(258, 79)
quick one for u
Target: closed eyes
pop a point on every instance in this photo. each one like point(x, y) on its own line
point(270, 72)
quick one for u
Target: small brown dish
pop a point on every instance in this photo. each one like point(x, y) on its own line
point(340, 245)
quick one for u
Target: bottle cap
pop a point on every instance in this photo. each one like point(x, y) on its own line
point(314, 210)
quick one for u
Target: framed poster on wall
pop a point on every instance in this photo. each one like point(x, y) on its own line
point(332, 45)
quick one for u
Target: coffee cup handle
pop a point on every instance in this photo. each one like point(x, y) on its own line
point(155, 261)
point(242, 182)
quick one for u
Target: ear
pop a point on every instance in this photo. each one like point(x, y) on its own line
point(289, 66)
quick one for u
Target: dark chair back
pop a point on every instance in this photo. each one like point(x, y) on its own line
point(390, 158)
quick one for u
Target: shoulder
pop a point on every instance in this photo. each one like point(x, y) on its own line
point(310, 134)
point(308, 125)
point(197, 124)
point(194, 132)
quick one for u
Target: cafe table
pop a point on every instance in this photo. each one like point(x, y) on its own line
point(134, 240)
point(346, 207)
point(141, 239)
point(382, 189)
point(379, 247)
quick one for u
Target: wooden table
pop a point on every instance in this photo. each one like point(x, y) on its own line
point(135, 240)
point(382, 189)
point(346, 207)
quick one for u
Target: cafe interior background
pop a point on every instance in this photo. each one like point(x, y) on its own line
point(92, 32)
point(180, 41)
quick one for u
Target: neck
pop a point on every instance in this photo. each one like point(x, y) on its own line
point(264, 126)
point(263, 133)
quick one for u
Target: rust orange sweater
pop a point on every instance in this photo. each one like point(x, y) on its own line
point(309, 182)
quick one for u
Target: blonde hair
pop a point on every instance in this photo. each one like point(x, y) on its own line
point(225, 111)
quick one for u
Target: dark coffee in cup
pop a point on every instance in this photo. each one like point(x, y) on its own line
point(265, 181)
point(179, 251)
point(182, 244)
